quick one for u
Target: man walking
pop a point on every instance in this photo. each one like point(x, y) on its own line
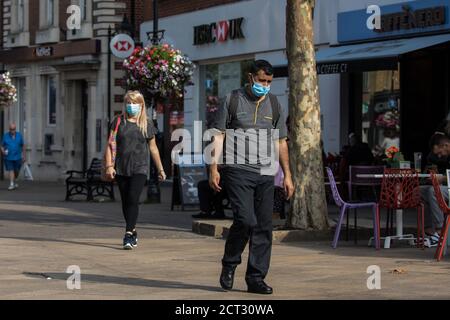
point(13, 150)
point(251, 112)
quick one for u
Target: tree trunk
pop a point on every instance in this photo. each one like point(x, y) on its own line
point(309, 208)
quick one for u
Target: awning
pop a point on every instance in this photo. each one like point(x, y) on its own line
point(383, 54)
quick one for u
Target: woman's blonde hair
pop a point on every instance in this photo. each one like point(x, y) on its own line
point(136, 97)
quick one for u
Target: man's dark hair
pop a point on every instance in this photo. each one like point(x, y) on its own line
point(438, 139)
point(261, 65)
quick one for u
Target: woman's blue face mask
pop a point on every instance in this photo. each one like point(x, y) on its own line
point(133, 109)
point(258, 89)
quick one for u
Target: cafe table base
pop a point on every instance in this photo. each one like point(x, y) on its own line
point(399, 236)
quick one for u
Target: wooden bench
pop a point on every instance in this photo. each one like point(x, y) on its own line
point(89, 183)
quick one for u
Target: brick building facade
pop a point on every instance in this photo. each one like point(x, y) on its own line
point(61, 77)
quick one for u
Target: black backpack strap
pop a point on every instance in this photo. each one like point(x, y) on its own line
point(232, 107)
point(275, 110)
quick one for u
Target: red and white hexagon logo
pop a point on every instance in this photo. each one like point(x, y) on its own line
point(122, 46)
point(222, 31)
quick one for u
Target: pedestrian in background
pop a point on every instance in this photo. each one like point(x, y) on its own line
point(135, 139)
point(13, 150)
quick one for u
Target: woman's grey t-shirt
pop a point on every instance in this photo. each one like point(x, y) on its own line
point(132, 148)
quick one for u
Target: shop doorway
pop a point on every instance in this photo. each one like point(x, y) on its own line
point(401, 107)
point(425, 96)
point(76, 125)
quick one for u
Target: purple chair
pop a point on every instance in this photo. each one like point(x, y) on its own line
point(354, 182)
point(344, 206)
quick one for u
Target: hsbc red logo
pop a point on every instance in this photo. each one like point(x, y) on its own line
point(222, 30)
point(219, 31)
point(123, 45)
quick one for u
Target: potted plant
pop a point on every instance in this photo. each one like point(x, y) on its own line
point(394, 157)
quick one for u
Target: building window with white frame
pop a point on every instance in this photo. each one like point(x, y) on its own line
point(50, 5)
point(83, 8)
point(51, 101)
point(20, 15)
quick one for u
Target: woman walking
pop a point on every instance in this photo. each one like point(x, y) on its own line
point(134, 139)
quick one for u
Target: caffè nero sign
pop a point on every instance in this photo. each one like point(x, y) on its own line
point(220, 31)
point(412, 19)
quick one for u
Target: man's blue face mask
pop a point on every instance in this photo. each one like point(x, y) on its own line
point(259, 90)
point(133, 109)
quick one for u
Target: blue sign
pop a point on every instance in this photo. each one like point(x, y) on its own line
point(398, 20)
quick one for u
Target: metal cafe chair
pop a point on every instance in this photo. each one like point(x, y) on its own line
point(400, 190)
point(446, 211)
point(356, 182)
point(344, 206)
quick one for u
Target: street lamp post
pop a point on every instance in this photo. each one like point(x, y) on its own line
point(153, 191)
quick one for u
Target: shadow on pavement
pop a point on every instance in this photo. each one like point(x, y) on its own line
point(100, 245)
point(95, 278)
point(349, 249)
point(98, 219)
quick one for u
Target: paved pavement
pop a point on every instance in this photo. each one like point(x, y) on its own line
point(41, 235)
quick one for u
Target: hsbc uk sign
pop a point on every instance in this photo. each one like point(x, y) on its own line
point(218, 31)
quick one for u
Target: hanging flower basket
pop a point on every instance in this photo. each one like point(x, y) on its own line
point(158, 70)
point(8, 93)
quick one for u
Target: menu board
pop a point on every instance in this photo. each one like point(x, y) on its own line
point(187, 175)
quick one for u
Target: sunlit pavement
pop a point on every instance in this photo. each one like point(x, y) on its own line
point(41, 236)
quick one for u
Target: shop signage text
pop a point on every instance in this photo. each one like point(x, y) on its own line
point(43, 51)
point(218, 31)
point(329, 68)
point(399, 20)
point(412, 19)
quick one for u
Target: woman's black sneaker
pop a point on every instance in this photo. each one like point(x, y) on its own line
point(128, 241)
point(135, 239)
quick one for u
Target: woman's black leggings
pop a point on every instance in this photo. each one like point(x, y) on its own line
point(130, 192)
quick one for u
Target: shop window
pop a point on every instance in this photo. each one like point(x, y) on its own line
point(381, 110)
point(221, 79)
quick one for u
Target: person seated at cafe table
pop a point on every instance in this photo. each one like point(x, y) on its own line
point(358, 153)
point(440, 149)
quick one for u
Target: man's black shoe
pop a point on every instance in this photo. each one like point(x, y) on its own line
point(218, 215)
point(202, 215)
point(259, 287)
point(211, 216)
point(227, 278)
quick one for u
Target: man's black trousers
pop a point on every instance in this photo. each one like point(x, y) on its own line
point(251, 198)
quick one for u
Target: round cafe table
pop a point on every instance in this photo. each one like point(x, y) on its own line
point(398, 216)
